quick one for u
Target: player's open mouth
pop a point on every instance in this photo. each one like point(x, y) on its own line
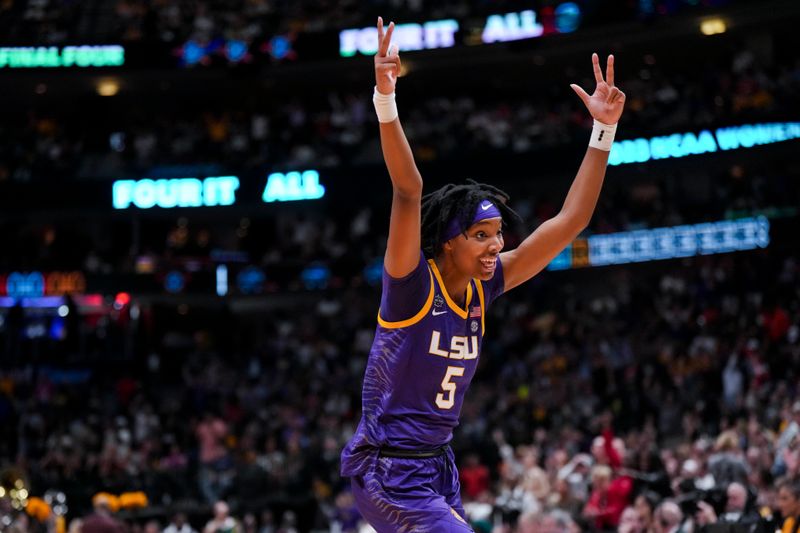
point(488, 263)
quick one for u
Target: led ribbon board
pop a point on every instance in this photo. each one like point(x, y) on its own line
point(214, 191)
point(293, 186)
point(61, 57)
point(565, 18)
point(685, 144)
point(37, 284)
point(183, 192)
point(665, 243)
point(427, 36)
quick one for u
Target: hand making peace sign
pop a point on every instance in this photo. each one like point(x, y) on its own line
point(607, 101)
point(387, 61)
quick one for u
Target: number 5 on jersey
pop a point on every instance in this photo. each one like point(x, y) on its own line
point(447, 398)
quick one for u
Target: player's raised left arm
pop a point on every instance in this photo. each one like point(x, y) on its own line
point(547, 241)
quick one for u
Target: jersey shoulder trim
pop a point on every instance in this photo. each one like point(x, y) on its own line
point(414, 319)
point(450, 303)
point(482, 301)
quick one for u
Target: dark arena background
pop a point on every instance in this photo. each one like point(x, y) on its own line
point(194, 210)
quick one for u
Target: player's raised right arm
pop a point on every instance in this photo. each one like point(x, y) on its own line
point(402, 249)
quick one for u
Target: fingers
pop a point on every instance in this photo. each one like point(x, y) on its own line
point(612, 95)
point(610, 70)
point(391, 68)
point(581, 93)
point(384, 39)
point(392, 57)
point(598, 74)
point(390, 64)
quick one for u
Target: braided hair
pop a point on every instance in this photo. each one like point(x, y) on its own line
point(459, 202)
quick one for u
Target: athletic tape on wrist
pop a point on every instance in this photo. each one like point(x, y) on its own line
point(603, 136)
point(385, 106)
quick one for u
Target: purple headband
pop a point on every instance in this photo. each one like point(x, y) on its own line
point(484, 210)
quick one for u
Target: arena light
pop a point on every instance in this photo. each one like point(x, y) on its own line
point(567, 17)
point(316, 276)
point(222, 280)
point(174, 282)
point(251, 280)
point(121, 300)
point(34, 302)
point(25, 285)
point(61, 57)
point(108, 87)
point(679, 145)
point(58, 283)
point(373, 271)
point(665, 243)
point(713, 26)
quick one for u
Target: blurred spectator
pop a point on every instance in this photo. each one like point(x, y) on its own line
point(215, 464)
point(631, 521)
point(668, 518)
point(728, 464)
point(645, 505)
point(222, 522)
point(787, 441)
point(789, 504)
point(550, 522)
point(101, 520)
point(179, 524)
point(735, 512)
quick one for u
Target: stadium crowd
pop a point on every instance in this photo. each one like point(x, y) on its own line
point(657, 398)
point(325, 130)
point(628, 400)
point(646, 395)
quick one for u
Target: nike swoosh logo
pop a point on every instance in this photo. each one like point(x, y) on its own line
point(485, 207)
point(435, 313)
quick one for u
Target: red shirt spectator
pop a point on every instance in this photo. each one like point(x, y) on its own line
point(474, 477)
point(608, 498)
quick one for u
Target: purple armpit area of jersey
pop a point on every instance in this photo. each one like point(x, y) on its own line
point(402, 298)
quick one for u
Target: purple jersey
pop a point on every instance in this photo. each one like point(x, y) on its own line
point(422, 360)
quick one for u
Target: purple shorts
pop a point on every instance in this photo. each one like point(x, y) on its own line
point(411, 495)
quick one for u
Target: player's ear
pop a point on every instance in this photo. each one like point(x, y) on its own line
point(447, 246)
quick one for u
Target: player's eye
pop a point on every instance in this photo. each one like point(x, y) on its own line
point(480, 235)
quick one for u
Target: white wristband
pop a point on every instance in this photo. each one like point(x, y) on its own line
point(602, 136)
point(385, 106)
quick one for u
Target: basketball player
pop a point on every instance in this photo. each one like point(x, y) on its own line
point(443, 267)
